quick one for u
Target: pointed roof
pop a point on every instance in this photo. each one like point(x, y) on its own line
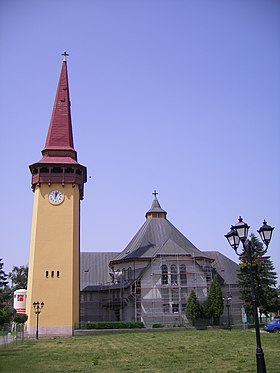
point(156, 210)
point(158, 236)
point(59, 162)
point(59, 140)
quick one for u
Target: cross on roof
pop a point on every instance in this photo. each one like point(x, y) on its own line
point(65, 54)
point(155, 193)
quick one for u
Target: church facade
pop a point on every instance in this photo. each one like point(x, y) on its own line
point(151, 279)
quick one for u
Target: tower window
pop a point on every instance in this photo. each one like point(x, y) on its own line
point(69, 170)
point(44, 170)
point(47, 274)
point(56, 170)
point(57, 274)
point(52, 273)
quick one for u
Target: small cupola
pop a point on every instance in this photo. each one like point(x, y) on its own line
point(156, 211)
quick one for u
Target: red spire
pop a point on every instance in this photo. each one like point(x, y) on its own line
point(60, 136)
point(59, 163)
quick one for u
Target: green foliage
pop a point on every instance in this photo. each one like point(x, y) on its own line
point(3, 284)
point(214, 306)
point(18, 277)
point(156, 326)
point(193, 309)
point(5, 297)
point(265, 279)
point(6, 315)
point(95, 359)
point(20, 318)
point(114, 325)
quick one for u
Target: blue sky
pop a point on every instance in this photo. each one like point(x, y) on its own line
point(178, 96)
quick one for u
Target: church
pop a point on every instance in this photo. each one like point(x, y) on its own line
point(149, 281)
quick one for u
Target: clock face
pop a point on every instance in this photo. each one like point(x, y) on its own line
point(56, 197)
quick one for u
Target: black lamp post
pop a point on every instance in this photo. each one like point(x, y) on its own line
point(37, 308)
point(239, 232)
point(228, 299)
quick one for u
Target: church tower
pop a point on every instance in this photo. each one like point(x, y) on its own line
point(58, 184)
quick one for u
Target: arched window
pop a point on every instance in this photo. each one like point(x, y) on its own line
point(183, 274)
point(164, 274)
point(129, 273)
point(174, 275)
point(124, 274)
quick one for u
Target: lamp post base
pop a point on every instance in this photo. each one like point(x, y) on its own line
point(260, 361)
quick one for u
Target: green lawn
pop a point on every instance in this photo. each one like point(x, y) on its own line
point(217, 351)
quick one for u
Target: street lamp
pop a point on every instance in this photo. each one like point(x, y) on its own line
point(239, 232)
point(228, 300)
point(37, 308)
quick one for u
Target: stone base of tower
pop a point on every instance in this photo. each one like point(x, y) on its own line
point(50, 331)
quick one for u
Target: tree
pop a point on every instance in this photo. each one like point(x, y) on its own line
point(6, 314)
point(20, 318)
point(3, 284)
point(265, 279)
point(19, 276)
point(3, 275)
point(214, 306)
point(193, 309)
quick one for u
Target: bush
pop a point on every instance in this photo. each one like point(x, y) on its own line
point(6, 314)
point(194, 309)
point(20, 318)
point(158, 326)
point(113, 325)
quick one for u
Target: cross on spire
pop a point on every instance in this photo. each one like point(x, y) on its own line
point(155, 193)
point(65, 54)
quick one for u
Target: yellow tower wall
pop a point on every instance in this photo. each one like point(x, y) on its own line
point(54, 261)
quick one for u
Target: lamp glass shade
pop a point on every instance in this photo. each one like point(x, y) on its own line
point(233, 238)
point(242, 229)
point(265, 232)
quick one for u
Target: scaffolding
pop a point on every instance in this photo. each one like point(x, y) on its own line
point(162, 293)
point(154, 293)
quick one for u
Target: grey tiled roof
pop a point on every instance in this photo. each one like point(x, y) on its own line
point(158, 236)
point(155, 207)
point(225, 267)
point(94, 268)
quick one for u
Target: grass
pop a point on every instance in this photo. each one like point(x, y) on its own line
point(211, 351)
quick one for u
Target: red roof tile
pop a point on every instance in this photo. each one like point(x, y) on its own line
point(60, 136)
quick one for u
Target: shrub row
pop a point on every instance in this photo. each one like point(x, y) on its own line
point(113, 325)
